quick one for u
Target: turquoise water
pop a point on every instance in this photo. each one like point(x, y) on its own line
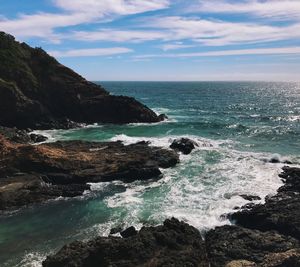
point(239, 126)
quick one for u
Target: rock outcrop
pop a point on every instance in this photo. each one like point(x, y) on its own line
point(31, 174)
point(172, 244)
point(37, 92)
point(280, 212)
point(183, 145)
point(228, 243)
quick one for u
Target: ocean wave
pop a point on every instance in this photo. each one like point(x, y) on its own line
point(205, 185)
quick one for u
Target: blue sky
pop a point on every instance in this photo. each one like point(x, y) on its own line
point(185, 40)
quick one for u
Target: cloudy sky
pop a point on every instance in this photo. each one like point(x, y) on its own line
point(163, 39)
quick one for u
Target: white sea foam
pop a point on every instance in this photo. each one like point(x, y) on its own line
point(32, 260)
point(205, 185)
point(167, 140)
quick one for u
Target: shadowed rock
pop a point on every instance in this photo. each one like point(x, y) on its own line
point(172, 244)
point(229, 243)
point(37, 92)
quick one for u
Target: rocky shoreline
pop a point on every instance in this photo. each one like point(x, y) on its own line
point(265, 235)
point(33, 174)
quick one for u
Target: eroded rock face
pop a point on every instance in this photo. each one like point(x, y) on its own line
point(30, 174)
point(38, 92)
point(233, 243)
point(172, 244)
point(183, 145)
point(280, 212)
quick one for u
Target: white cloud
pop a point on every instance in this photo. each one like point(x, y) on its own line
point(91, 52)
point(105, 7)
point(75, 12)
point(219, 33)
point(167, 47)
point(238, 52)
point(117, 35)
point(202, 31)
point(278, 9)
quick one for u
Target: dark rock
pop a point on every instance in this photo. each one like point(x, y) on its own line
point(172, 244)
point(274, 160)
point(59, 168)
point(290, 258)
point(115, 230)
point(131, 231)
point(228, 243)
point(183, 145)
point(162, 117)
point(37, 92)
point(250, 197)
point(38, 138)
point(280, 212)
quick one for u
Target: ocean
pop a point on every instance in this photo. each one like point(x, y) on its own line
point(239, 126)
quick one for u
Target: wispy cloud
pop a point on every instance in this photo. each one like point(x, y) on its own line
point(220, 33)
point(91, 52)
point(238, 52)
point(178, 45)
point(202, 31)
point(114, 35)
point(75, 12)
point(277, 9)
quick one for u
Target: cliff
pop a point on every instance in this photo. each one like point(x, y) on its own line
point(36, 91)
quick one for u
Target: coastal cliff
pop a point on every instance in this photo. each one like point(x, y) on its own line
point(36, 91)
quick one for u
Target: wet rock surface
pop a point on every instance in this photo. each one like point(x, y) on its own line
point(174, 243)
point(228, 243)
point(30, 174)
point(280, 212)
point(183, 145)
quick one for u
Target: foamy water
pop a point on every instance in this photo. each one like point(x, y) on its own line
point(239, 127)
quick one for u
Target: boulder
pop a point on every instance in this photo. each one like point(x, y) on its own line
point(183, 145)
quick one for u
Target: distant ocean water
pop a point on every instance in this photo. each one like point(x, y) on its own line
point(239, 126)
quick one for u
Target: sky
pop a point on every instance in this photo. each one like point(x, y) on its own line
point(163, 40)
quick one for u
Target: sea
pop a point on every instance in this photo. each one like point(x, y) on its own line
point(239, 126)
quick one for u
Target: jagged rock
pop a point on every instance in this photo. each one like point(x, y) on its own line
point(280, 212)
point(131, 231)
point(38, 138)
point(49, 170)
point(174, 244)
point(250, 197)
point(233, 243)
point(38, 92)
point(183, 145)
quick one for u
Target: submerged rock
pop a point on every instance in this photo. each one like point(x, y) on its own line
point(30, 174)
point(172, 244)
point(183, 145)
point(233, 243)
point(38, 92)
